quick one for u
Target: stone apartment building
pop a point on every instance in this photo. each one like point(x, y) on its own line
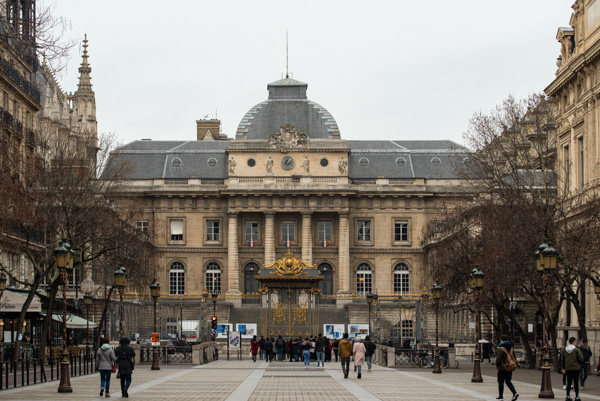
point(575, 92)
point(220, 208)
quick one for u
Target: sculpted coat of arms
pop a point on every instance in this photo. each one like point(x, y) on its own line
point(288, 138)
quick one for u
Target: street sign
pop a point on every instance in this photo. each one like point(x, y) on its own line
point(155, 340)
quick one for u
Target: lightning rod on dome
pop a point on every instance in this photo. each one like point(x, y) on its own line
point(287, 72)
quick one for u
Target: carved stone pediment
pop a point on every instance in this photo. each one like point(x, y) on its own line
point(288, 138)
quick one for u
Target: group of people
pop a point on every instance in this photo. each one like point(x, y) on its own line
point(105, 357)
point(574, 364)
point(317, 349)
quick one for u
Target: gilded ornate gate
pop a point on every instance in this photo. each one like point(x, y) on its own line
point(290, 289)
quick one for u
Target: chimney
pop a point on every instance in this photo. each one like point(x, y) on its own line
point(208, 130)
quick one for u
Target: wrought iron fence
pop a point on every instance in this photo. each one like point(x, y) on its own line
point(28, 370)
point(166, 355)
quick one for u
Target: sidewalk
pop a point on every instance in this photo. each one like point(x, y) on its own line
point(244, 380)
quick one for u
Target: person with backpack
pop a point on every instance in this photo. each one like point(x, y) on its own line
point(320, 350)
point(261, 345)
point(370, 350)
point(345, 349)
point(268, 349)
point(279, 344)
point(571, 367)
point(506, 363)
point(125, 359)
point(585, 365)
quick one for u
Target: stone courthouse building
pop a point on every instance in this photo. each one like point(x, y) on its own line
point(219, 209)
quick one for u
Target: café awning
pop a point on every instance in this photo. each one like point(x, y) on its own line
point(73, 321)
point(12, 302)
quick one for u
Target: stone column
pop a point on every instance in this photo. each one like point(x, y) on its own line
point(306, 238)
point(344, 254)
point(269, 238)
point(233, 268)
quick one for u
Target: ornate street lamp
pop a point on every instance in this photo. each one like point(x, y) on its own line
point(64, 260)
point(155, 292)
point(120, 282)
point(477, 277)
point(369, 302)
point(214, 297)
point(87, 301)
point(436, 291)
point(547, 257)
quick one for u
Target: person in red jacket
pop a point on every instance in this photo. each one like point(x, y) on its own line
point(254, 348)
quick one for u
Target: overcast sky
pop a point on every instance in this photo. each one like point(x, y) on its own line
point(394, 69)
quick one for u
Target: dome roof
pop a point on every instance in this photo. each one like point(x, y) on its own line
point(287, 104)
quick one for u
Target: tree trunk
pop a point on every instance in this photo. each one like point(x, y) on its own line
point(48, 321)
point(103, 317)
point(37, 279)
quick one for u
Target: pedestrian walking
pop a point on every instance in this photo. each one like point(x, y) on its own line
point(306, 352)
point(254, 348)
point(320, 350)
point(585, 365)
point(358, 352)
point(261, 345)
point(504, 376)
point(126, 361)
point(370, 348)
point(269, 349)
point(571, 367)
point(336, 343)
point(104, 363)
point(345, 350)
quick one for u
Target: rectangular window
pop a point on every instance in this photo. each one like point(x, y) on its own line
point(581, 169)
point(251, 231)
point(324, 230)
point(364, 230)
point(287, 231)
point(407, 329)
point(212, 230)
point(142, 226)
point(400, 231)
point(176, 230)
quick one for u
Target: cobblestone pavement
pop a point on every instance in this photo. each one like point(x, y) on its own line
point(284, 381)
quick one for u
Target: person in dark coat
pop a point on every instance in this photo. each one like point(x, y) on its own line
point(125, 360)
point(504, 347)
point(269, 349)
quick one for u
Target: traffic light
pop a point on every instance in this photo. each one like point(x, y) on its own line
point(214, 322)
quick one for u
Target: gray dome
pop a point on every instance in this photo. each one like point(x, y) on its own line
point(287, 104)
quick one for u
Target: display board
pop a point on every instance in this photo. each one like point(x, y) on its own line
point(247, 330)
point(234, 339)
point(223, 328)
point(361, 330)
point(333, 331)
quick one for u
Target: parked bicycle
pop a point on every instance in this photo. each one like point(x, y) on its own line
point(427, 361)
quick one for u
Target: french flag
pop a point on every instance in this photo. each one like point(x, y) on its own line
point(251, 243)
point(325, 243)
point(288, 243)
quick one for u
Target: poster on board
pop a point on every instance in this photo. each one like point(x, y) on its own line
point(223, 328)
point(247, 330)
point(333, 331)
point(361, 330)
point(234, 339)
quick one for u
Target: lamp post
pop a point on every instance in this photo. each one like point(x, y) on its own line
point(546, 256)
point(155, 292)
point(2, 288)
point(477, 284)
point(214, 297)
point(87, 301)
point(64, 260)
point(120, 283)
point(369, 302)
point(436, 291)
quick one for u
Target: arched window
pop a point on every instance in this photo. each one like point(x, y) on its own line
point(213, 277)
point(251, 284)
point(176, 279)
point(401, 279)
point(364, 281)
point(326, 285)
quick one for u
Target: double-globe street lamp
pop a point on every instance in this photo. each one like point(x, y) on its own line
point(120, 282)
point(477, 277)
point(436, 291)
point(546, 257)
point(155, 292)
point(64, 260)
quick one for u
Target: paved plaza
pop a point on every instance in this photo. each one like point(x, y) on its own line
point(245, 380)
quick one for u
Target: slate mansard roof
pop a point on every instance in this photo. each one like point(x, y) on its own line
point(366, 159)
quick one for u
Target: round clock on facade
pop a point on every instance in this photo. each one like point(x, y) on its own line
point(287, 163)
